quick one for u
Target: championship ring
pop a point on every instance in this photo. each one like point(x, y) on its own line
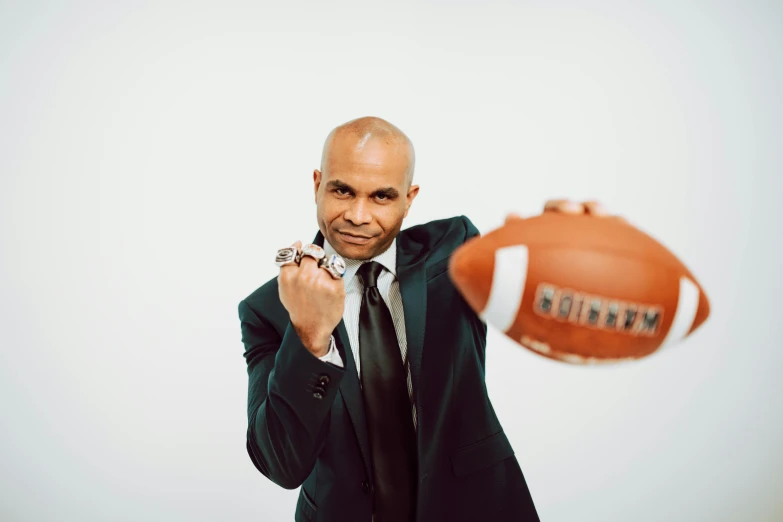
point(287, 256)
point(313, 251)
point(333, 264)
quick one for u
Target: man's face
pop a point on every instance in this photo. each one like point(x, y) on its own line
point(362, 195)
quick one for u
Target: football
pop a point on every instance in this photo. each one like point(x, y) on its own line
point(578, 288)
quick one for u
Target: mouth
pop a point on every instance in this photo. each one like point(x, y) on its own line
point(351, 238)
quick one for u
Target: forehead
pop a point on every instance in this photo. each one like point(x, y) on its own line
point(374, 160)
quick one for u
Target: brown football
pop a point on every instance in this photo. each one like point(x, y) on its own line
point(578, 288)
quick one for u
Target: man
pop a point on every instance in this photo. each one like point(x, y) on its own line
point(366, 388)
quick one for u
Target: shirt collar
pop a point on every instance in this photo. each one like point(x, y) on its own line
point(388, 259)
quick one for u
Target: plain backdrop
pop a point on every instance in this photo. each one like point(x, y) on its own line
point(154, 155)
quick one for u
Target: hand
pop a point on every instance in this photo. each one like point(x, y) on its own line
point(314, 300)
point(566, 206)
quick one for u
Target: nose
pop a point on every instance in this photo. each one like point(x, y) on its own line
point(358, 213)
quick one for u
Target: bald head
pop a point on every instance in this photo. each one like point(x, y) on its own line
point(364, 188)
point(357, 133)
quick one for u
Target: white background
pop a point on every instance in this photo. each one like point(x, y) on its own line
point(154, 155)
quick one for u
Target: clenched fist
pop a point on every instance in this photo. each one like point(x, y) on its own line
point(314, 300)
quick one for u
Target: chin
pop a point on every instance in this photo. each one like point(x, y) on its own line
point(358, 252)
point(352, 250)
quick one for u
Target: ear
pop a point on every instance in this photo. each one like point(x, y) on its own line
point(316, 183)
point(412, 193)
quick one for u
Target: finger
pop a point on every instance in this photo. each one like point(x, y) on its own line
point(314, 274)
point(553, 204)
point(513, 216)
point(594, 208)
point(287, 268)
point(308, 264)
point(565, 206)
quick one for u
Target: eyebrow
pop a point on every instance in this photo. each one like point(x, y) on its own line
point(389, 192)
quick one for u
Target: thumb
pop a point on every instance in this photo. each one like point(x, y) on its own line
point(511, 217)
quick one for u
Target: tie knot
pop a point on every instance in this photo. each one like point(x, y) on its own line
point(369, 273)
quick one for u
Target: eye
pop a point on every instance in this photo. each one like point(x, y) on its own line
point(382, 197)
point(341, 191)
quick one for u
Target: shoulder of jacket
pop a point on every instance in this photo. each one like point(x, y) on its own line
point(437, 239)
point(264, 302)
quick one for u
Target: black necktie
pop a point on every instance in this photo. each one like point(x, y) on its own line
point(387, 406)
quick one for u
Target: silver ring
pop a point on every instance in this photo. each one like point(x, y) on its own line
point(313, 251)
point(287, 256)
point(333, 264)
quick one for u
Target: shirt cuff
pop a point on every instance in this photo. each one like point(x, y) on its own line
point(332, 356)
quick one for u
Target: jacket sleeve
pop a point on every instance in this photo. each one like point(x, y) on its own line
point(290, 394)
point(333, 356)
point(479, 325)
point(470, 228)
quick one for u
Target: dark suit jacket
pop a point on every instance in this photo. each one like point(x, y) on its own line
point(306, 424)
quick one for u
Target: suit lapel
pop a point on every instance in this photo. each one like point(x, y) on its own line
point(350, 388)
point(413, 290)
point(352, 395)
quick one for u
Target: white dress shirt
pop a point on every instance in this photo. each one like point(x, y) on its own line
point(389, 288)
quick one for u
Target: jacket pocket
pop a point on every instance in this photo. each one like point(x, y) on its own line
point(305, 507)
point(481, 454)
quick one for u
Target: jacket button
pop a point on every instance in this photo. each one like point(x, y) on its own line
point(323, 380)
point(366, 486)
point(318, 395)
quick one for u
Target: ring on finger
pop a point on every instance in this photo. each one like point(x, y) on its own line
point(333, 264)
point(287, 256)
point(313, 251)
